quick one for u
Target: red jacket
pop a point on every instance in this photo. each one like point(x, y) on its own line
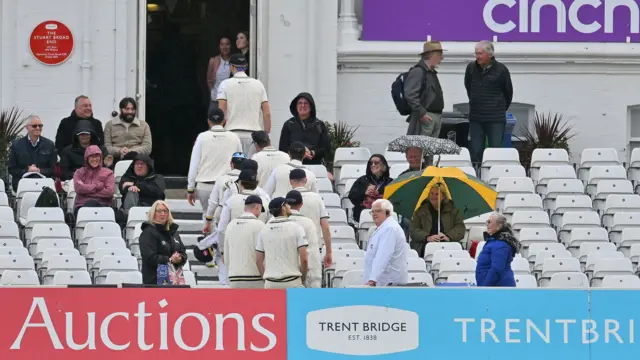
point(93, 183)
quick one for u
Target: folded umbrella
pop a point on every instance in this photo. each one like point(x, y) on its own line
point(470, 196)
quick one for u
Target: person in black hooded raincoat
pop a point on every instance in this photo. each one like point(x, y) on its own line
point(370, 187)
point(140, 185)
point(72, 156)
point(305, 127)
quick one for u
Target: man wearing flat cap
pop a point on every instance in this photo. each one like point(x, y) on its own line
point(423, 92)
point(281, 251)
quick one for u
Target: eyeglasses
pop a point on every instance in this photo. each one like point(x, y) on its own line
point(373, 211)
point(37, 126)
point(162, 211)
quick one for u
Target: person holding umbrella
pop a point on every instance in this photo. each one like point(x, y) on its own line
point(436, 220)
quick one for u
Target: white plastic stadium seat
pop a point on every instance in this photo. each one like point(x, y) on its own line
point(421, 277)
point(598, 173)
point(575, 219)
point(616, 203)
point(189, 277)
point(342, 234)
point(394, 157)
point(32, 185)
point(331, 200)
point(529, 219)
point(543, 255)
point(557, 187)
point(397, 169)
point(534, 249)
point(103, 243)
point(521, 202)
point(609, 187)
point(92, 214)
point(498, 171)
point(512, 185)
point(566, 203)
point(15, 251)
point(620, 281)
point(320, 171)
point(49, 231)
point(462, 279)
point(520, 266)
point(71, 277)
point(587, 248)
point(94, 262)
point(526, 282)
point(623, 220)
point(595, 256)
point(28, 201)
point(324, 185)
point(579, 236)
point(498, 156)
point(42, 215)
point(4, 199)
point(463, 159)
point(337, 217)
point(137, 215)
point(98, 229)
point(469, 170)
point(61, 263)
point(432, 247)
point(19, 262)
point(48, 254)
point(451, 266)
point(553, 266)
point(544, 157)
point(116, 263)
point(20, 278)
point(634, 166)
point(343, 265)
point(629, 238)
point(417, 265)
point(596, 157)
point(548, 173)
point(345, 156)
point(353, 278)
point(126, 277)
point(607, 267)
point(10, 243)
point(569, 280)
point(54, 243)
point(441, 255)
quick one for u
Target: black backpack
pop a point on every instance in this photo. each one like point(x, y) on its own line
point(48, 198)
point(397, 91)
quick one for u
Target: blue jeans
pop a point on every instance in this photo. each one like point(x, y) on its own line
point(493, 132)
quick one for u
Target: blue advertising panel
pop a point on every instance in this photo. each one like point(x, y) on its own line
point(615, 317)
point(445, 323)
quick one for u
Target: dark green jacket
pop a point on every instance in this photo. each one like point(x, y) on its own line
point(420, 228)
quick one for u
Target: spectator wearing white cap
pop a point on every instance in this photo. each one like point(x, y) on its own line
point(209, 158)
point(239, 251)
point(245, 103)
point(278, 183)
point(225, 181)
point(267, 156)
point(313, 208)
point(386, 259)
point(314, 277)
point(281, 252)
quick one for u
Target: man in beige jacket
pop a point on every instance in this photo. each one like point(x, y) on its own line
point(126, 134)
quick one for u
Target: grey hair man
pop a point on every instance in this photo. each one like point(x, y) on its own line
point(489, 89)
point(32, 153)
point(386, 258)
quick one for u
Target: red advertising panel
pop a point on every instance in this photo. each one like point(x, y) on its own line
point(134, 323)
point(51, 42)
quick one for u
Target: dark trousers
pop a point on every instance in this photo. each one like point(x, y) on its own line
point(493, 132)
point(90, 203)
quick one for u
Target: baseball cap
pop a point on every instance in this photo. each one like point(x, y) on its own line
point(250, 164)
point(247, 175)
point(294, 197)
point(278, 203)
point(260, 137)
point(254, 199)
point(238, 60)
point(80, 132)
point(216, 115)
point(297, 147)
point(238, 157)
point(204, 256)
point(297, 174)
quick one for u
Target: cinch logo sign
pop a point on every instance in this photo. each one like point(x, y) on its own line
point(528, 14)
point(363, 330)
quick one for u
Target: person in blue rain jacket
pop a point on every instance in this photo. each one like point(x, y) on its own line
point(494, 262)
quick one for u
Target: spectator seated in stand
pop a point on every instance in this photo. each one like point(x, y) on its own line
point(31, 154)
point(424, 224)
point(125, 135)
point(72, 156)
point(370, 187)
point(140, 185)
point(94, 184)
point(83, 110)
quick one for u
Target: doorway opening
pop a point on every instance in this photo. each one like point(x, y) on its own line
point(181, 37)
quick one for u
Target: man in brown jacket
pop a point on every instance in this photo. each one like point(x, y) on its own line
point(126, 135)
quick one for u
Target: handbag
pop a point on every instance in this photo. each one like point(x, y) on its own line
point(176, 276)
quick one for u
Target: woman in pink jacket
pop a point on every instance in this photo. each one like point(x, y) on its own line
point(94, 184)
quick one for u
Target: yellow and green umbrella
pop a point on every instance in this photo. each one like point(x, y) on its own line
point(470, 195)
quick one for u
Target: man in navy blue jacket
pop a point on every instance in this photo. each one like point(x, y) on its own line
point(32, 153)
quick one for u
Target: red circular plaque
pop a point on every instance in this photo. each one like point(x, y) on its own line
point(51, 42)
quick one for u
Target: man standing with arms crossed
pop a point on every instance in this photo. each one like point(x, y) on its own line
point(244, 102)
point(281, 252)
point(313, 208)
point(314, 277)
